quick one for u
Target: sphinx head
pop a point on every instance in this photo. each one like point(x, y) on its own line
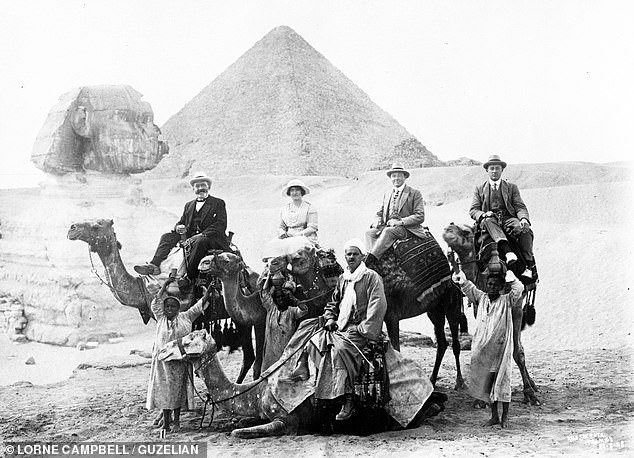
point(101, 128)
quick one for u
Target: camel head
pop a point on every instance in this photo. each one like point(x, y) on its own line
point(293, 254)
point(329, 266)
point(192, 345)
point(459, 237)
point(97, 233)
point(303, 260)
point(220, 265)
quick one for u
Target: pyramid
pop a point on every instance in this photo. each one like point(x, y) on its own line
point(282, 108)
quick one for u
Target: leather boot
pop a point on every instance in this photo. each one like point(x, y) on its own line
point(147, 269)
point(301, 373)
point(371, 261)
point(347, 409)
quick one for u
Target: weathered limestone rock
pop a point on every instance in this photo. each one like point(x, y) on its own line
point(102, 128)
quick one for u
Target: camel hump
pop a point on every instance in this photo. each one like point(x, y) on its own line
point(424, 262)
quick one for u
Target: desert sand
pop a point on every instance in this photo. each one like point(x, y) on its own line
point(579, 352)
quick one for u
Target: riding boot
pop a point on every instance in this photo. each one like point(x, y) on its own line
point(347, 409)
point(371, 261)
point(301, 373)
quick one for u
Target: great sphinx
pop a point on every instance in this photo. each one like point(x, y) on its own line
point(105, 128)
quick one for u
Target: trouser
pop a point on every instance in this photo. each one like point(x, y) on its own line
point(377, 244)
point(492, 230)
point(337, 374)
point(198, 250)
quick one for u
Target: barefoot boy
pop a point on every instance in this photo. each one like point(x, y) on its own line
point(171, 382)
point(492, 345)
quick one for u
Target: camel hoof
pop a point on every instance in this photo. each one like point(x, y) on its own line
point(478, 404)
point(530, 398)
point(460, 385)
point(158, 421)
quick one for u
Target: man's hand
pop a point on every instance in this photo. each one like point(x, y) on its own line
point(205, 297)
point(394, 222)
point(193, 238)
point(180, 229)
point(459, 277)
point(524, 225)
point(331, 325)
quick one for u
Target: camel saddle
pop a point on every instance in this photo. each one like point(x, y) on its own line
point(372, 384)
point(424, 262)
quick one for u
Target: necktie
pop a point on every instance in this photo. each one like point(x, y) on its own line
point(394, 209)
point(495, 186)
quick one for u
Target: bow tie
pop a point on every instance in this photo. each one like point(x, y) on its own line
point(201, 200)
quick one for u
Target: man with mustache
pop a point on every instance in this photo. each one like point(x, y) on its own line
point(203, 227)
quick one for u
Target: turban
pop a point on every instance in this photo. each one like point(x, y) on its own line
point(355, 243)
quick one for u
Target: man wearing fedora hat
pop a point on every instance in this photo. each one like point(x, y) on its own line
point(499, 210)
point(401, 214)
point(203, 225)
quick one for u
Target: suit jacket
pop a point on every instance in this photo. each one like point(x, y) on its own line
point(510, 194)
point(411, 210)
point(213, 219)
point(369, 312)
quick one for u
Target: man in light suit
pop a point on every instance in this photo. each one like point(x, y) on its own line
point(401, 214)
point(499, 210)
point(202, 225)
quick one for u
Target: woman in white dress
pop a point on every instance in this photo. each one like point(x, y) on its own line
point(298, 217)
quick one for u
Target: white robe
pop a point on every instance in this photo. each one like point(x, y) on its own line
point(492, 344)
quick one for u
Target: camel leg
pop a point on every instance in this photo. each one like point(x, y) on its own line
point(437, 317)
point(393, 331)
point(518, 355)
point(453, 305)
point(275, 428)
point(248, 356)
point(260, 329)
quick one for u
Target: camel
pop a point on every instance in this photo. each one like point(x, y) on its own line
point(460, 238)
point(256, 399)
point(245, 309)
point(403, 302)
point(131, 290)
point(307, 270)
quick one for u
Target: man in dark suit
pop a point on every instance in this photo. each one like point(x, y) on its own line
point(401, 214)
point(499, 210)
point(202, 225)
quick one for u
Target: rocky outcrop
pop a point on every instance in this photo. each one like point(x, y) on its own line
point(101, 128)
point(412, 154)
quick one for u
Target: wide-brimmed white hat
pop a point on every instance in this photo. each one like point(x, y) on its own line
point(200, 176)
point(293, 183)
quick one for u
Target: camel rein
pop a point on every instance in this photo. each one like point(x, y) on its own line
point(476, 258)
point(262, 378)
point(108, 283)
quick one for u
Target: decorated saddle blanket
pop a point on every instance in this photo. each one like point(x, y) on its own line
point(424, 262)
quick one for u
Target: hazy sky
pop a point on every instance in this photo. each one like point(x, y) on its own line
point(533, 81)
